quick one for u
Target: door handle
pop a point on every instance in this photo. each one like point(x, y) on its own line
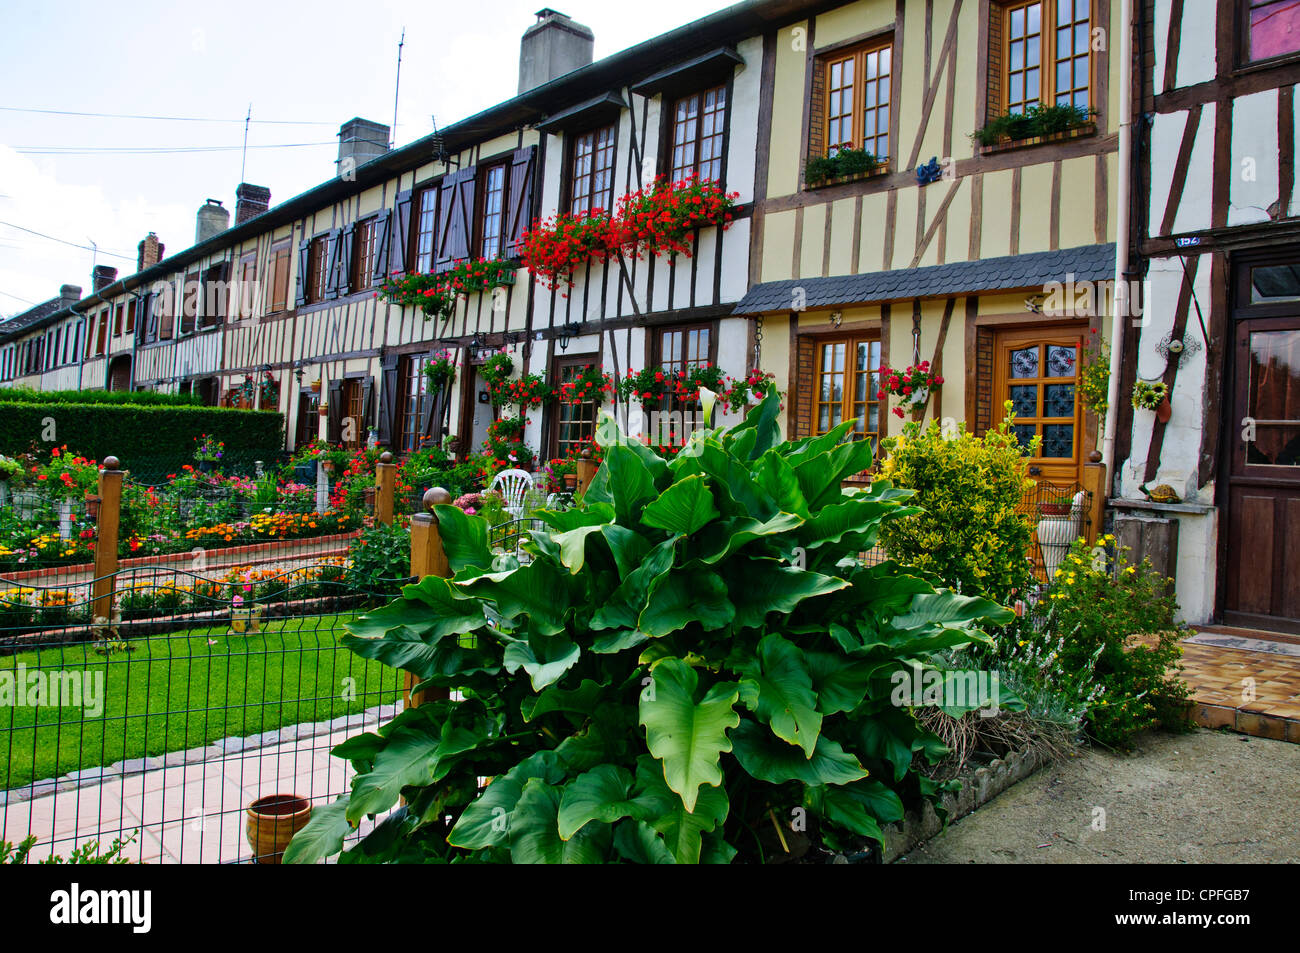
point(1035, 471)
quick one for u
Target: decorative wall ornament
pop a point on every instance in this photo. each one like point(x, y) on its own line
point(1177, 350)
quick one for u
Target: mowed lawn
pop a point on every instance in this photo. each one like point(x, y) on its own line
point(185, 690)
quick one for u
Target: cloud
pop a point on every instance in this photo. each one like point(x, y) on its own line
point(33, 268)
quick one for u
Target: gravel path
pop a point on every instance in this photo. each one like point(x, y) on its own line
point(1204, 797)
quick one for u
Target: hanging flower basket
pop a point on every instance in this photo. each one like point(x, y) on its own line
point(441, 370)
point(553, 249)
point(429, 293)
point(912, 386)
point(662, 217)
point(590, 384)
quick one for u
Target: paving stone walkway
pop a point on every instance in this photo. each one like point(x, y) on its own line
point(186, 807)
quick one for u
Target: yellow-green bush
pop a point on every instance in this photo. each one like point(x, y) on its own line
point(970, 534)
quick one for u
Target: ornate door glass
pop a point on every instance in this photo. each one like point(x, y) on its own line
point(1041, 388)
point(1273, 399)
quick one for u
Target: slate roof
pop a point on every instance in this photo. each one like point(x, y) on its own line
point(20, 322)
point(1033, 270)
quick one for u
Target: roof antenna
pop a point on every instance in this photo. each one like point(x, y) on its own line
point(243, 161)
point(397, 88)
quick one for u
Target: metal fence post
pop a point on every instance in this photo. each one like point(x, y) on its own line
point(385, 480)
point(428, 558)
point(106, 532)
point(586, 471)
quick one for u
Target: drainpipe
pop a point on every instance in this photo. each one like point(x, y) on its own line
point(1121, 303)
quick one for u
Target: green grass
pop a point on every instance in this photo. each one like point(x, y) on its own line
point(176, 691)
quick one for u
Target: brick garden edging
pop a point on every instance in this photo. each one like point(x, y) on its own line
point(138, 562)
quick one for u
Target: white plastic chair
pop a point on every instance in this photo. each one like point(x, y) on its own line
point(513, 485)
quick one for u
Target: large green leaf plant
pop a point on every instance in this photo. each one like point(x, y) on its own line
point(693, 665)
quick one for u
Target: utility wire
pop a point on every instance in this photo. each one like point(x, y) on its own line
point(17, 298)
point(152, 150)
point(62, 241)
point(67, 112)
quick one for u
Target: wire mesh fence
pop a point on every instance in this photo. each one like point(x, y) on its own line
point(162, 727)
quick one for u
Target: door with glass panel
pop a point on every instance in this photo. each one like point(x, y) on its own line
point(1038, 372)
point(846, 384)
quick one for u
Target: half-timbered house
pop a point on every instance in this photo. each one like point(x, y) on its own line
point(1217, 243)
point(934, 247)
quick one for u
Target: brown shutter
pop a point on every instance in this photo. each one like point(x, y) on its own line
point(345, 258)
point(333, 245)
point(455, 218)
point(304, 261)
point(387, 398)
point(383, 232)
point(334, 419)
point(400, 232)
point(519, 208)
point(804, 384)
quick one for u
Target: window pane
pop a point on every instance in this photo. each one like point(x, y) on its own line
point(1024, 400)
point(1060, 361)
point(1274, 283)
point(1024, 363)
point(1274, 28)
point(1274, 396)
point(1058, 400)
point(1058, 440)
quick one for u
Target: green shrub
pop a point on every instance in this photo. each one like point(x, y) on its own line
point(1038, 120)
point(139, 434)
point(1102, 607)
point(141, 398)
point(690, 657)
point(844, 162)
point(379, 560)
point(970, 533)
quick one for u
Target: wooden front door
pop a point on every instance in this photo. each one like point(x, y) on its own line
point(1038, 371)
point(1263, 549)
point(353, 433)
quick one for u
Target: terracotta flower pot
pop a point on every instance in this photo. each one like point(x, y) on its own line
point(315, 386)
point(272, 822)
point(1164, 411)
point(570, 481)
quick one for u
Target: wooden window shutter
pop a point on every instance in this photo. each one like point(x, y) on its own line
point(387, 398)
point(304, 261)
point(334, 419)
point(368, 403)
point(520, 205)
point(383, 240)
point(333, 241)
point(804, 384)
point(455, 218)
point(400, 234)
point(346, 264)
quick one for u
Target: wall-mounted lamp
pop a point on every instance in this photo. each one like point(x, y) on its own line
point(567, 333)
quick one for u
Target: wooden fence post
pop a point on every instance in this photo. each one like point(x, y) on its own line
point(427, 559)
point(1094, 481)
point(106, 532)
point(586, 471)
point(385, 480)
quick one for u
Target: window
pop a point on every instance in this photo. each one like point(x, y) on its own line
point(847, 381)
point(353, 431)
point(426, 228)
point(278, 280)
point(699, 122)
point(680, 349)
point(191, 302)
point(591, 181)
point(308, 418)
point(101, 343)
point(492, 220)
point(858, 99)
point(411, 382)
point(1270, 28)
point(317, 268)
point(575, 424)
point(130, 317)
point(1046, 54)
point(165, 304)
point(363, 254)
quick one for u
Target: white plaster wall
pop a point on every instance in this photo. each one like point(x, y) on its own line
point(1197, 572)
point(743, 149)
point(1195, 43)
point(1180, 456)
point(1254, 172)
point(1166, 138)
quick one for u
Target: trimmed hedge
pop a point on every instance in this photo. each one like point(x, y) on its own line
point(25, 395)
point(138, 434)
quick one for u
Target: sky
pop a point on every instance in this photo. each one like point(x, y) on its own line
point(313, 64)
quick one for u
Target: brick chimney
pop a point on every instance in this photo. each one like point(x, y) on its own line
point(250, 201)
point(150, 252)
point(101, 277)
point(360, 140)
point(69, 295)
point(213, 219)
point(551, 47)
